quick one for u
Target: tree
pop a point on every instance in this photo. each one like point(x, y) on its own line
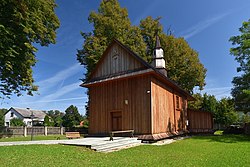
point(241, 52)
point(182, 62)
point(245, 118)
point(204, 102)
point(240, 93)
point(16, 122)
point(71, 117)
point(48, 121)
point(226, 113)
point(111, 21)
point(22, 24)
point(209, 103)
point(2, 112)
point(223, 110)
point(197, 103)
point(56, 117)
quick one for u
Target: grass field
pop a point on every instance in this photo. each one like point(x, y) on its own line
point(28, 138)
point(220, 150)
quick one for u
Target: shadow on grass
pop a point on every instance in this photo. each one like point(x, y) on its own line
point(224, 138)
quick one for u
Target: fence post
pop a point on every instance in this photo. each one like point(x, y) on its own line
point(45, 130)
point(25, 131)
point(61, 130)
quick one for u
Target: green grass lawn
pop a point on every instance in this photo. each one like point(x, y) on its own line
point(28, 138)
point(220, 150)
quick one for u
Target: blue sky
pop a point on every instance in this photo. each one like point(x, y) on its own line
point(206, 25)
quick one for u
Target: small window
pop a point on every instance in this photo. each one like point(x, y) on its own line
point(115, 63)
point(12, 114)
point(177, 102)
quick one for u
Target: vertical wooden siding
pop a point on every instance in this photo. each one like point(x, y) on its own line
point(125, 62)
point(110, 97)
point(199, 121)
point(166, 118)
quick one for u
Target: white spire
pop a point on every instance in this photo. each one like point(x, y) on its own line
point(158, 56)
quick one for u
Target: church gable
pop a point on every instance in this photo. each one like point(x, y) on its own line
point(115, 60)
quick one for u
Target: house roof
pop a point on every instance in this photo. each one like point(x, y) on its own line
point(26, 113)
point(156, 71)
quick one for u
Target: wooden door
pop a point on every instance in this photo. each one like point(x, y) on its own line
point(116, 121)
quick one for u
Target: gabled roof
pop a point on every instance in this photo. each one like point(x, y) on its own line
point(171, 83)
point(26, 113)
point(138, 58)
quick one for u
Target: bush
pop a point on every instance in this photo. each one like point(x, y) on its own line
point(16, 122)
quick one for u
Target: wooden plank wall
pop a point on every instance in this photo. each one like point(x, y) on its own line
point(199, 121)
point(125, 62)
point(106, 98)
point(166, 118)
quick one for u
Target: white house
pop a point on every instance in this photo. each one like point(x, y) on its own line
point(25, 115)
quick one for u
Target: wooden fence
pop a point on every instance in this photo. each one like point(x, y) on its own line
point(24, 131)
point(200, 121)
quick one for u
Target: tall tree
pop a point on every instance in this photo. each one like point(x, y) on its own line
point(56, 117)
point(204, 102)
point(23, 23)
point(209, 103)
point(182, 62)
point(225, 112)
point(111, 21)
point(2, 112)
point(241, 52)
point(71, 117)
point(197, 103)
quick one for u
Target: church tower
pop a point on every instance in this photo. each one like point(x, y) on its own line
point(158, 57)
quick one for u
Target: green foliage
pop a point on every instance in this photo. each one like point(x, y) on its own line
point(85, 121)
point(245, 118)
point(226, 113)
point(197, 104)
point(204, 102)
point(48, 121)
point(2, 112)
point(71, 117)
point(209, 103)
point(242, 49)
point(241, 52)
point(182, 62)
point(111, 21)
point(16, 122)
point(56, 117)
point(240, 92)
point(223, 110)
point(149, 29)
point(22, 24)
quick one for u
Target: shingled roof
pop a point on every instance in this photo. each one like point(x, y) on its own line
point(26, 113)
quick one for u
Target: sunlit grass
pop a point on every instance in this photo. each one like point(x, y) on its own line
point(222, 150)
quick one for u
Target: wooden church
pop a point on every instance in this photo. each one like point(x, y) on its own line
point(125, 92)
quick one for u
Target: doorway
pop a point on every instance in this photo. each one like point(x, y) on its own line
point(116, 121)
